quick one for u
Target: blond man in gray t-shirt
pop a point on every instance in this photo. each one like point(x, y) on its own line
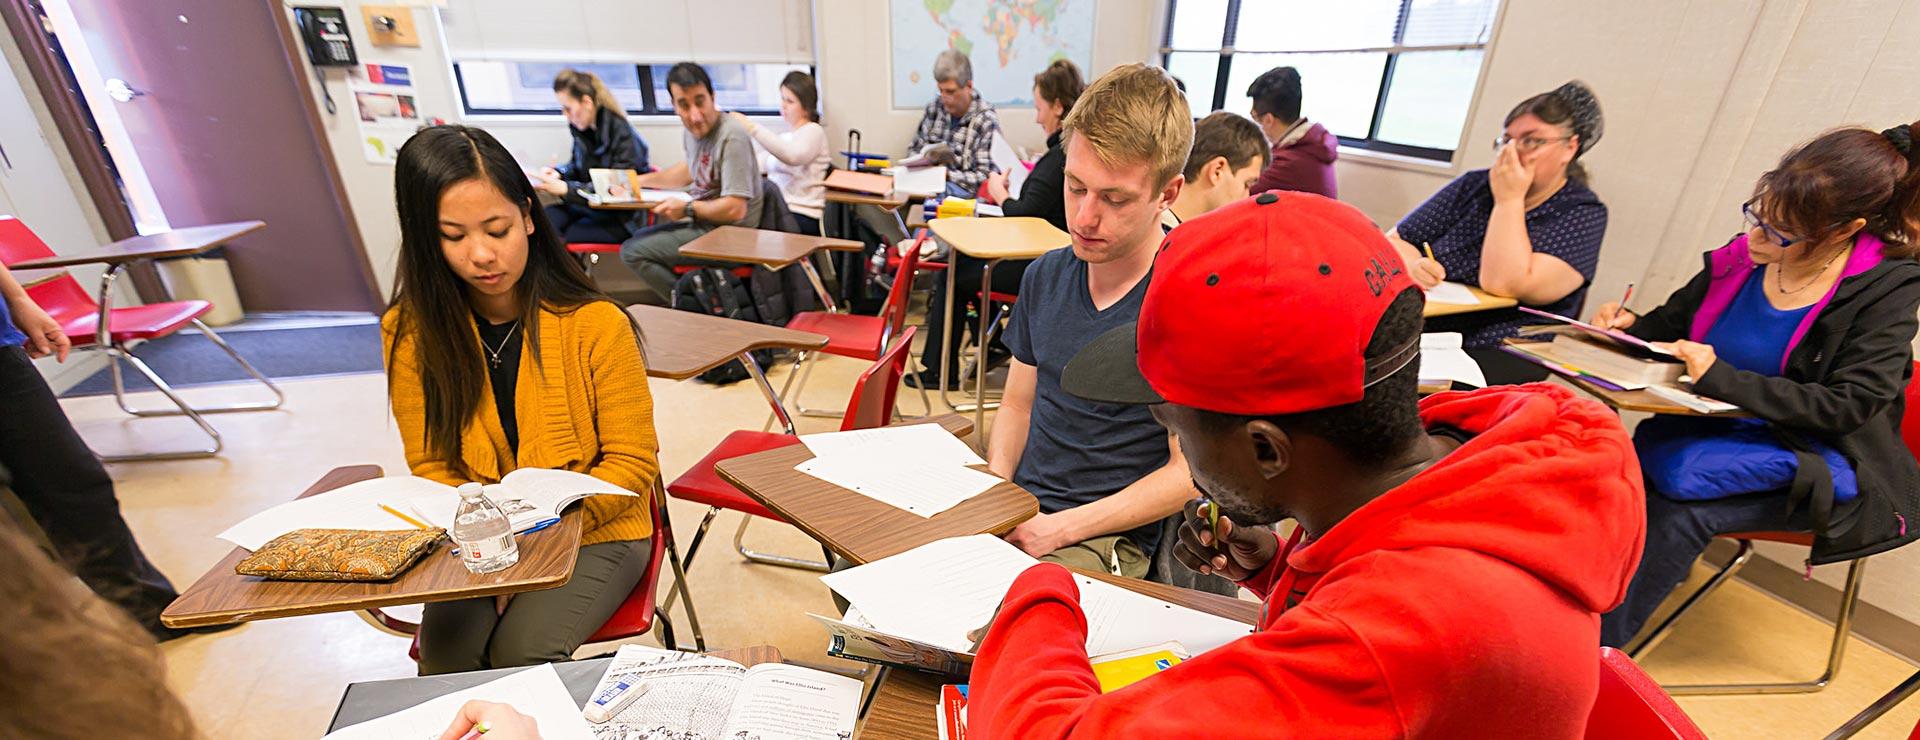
point(720, 172)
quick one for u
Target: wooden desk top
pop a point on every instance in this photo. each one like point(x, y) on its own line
point(892, 200)
point(631, 205)
point(1009, 238)
point(681, 344)
point(771, 248)
point(223, 596)
point(175, 243)
point(1488, 302)
point(861, 529)
point(904, 701)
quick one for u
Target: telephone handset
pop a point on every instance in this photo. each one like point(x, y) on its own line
point(324, 32)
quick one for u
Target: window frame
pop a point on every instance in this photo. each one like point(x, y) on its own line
point(1371, 142)
point(651, 105)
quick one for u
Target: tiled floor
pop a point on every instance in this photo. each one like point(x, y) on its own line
point(282, 679)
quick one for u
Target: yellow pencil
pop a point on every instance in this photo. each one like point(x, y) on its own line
point(410, 520)
point(1429, 249)
point(1213, 521)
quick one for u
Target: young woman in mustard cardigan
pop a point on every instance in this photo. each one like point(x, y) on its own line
point(501, 354)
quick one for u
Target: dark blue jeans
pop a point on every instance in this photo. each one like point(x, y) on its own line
point(1677, 533)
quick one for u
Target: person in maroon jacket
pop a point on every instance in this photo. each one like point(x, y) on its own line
point(1453, 555)
point(1303, 151)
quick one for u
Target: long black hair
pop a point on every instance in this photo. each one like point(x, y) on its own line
point(430, 300)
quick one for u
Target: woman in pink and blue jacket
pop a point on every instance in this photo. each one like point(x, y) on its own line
point(1807, 322)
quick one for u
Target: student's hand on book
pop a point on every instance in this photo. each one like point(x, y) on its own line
point(1427, 273)
point(1509, 178)
point(503, 723)
point(1238, 553)
point(1699, 357)
point(1040, 535)
point(1612, 316)
point(996, 186)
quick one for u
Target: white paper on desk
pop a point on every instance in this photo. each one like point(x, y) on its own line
point(1441, 358)
point(535, 692)
point(355, 506)
point(655, 196)
point(928, 444)
point(922, 181)
point(903, 483)
point(940, 591)
point(1007, 159)
point(1452, 293)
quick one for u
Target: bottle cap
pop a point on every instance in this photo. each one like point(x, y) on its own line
point(471, 490)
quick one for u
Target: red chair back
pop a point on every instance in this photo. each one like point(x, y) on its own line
point(873, 394)
point(18, 243)
point(894, 314)
point(1631, 704)
point(1910, 424)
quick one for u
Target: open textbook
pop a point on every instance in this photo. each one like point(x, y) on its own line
point(935, 594)
point(614, 186)
point(528, 496)
point(536, 692)
point(685, 696)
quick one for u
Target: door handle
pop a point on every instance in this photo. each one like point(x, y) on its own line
point(121, 92)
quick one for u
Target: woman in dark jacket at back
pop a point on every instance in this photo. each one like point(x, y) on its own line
point(1807, 322)
point(602, 139)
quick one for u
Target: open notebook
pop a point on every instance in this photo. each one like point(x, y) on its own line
point(686, 695)
point(528, 496)
point(933, 595)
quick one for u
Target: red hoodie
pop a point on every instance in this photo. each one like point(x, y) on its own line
point(1463, 604)
point(1304, 164)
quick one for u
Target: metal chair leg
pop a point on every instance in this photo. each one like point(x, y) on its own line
point(115, 354)
point(770, 558)
point(680, 589)
point(1842, 629)
point(805, 360)
point(1720, 578)
point(1877, 708)
point(279, 398)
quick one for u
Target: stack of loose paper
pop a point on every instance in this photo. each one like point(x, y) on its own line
point(1452, 293)
point(938, 592)
point(1441, 358)
point(922, 181)
point(535, 692)
point(920, 468)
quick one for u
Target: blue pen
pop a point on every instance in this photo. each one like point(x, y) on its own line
point(544, 523)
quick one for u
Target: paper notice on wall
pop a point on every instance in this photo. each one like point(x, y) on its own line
point(389, 115)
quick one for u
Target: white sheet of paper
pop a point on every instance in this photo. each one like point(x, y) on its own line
point(1452, 293)
point(655, 196)
point(922, 181)
point(788, 702)
point(1441, 358)
point(940, 591)
point(928, 444)
point(355, 506)
point(535, 692)
point(903, 483)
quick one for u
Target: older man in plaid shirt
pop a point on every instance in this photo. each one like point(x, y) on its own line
point(962, 121)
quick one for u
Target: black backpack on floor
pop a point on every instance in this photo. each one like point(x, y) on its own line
point(717, 292)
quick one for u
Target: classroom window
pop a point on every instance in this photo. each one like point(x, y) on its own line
point(1387, 75)
point(516, 88)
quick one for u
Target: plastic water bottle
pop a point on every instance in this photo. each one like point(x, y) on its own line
point(483, 533)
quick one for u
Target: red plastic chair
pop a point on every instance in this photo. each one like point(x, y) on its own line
point(1631, 705)
point(855, 336)
point(85, 319)
point(1849, 594)
point(871, 406)
point(637, 615)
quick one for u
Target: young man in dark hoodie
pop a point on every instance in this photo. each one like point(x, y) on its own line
point(1303, 151)
point(1453, 554)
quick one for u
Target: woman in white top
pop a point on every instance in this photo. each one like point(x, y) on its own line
point(797, 158)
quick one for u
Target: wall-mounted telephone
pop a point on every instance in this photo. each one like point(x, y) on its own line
point(324, 31)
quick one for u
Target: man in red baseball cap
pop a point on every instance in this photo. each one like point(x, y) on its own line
point(1452, 555)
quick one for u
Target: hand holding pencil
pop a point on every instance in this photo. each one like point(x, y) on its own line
point(1211, 543)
